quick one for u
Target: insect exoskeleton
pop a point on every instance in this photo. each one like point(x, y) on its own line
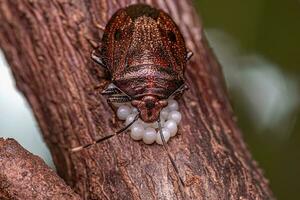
point(144, 52)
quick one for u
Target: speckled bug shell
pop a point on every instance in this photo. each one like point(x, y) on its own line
point(144, 51)
point(145, 54)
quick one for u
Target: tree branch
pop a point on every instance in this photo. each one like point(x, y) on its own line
point(25, 176)
point(48, 45)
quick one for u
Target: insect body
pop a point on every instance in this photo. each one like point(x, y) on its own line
point(145, 54)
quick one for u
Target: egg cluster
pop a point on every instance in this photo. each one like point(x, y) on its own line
point(148, 132)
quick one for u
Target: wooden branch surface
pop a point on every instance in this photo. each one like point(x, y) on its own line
point(48, 46)
point(26, 176)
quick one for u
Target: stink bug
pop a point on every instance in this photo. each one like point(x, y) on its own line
point(144, 52)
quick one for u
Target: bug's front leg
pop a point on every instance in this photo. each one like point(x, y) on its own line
point(118, 99)
point(111, 90)
point(98, 59)
point(178, 93)
point(99, 26)
point(189, 54)
point(115, 95)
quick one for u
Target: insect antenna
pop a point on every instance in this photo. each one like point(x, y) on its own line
point(92, 143)
point(105, 137)
point(126, 127)
point(168, 152)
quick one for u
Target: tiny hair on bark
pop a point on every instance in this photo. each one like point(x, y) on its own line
point(48, 46)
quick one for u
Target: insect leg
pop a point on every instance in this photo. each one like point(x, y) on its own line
point(115, 94)
point(92, 42)
point(179, 91)
point(189, 55)
point(99, 26)
point(168, 152)
point(118, 99)
point(105, 137)
point(97, 59)
point(92, 143)
point(111, 91)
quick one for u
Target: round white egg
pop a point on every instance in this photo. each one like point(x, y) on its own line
point(149, 136)
point(175, 115)
point(164, 113)
point(123, 112)
point(171, 125)
point(169, 118)
point(129, 119)
point(134, 110)
point(166, 134)
point(172, 105)
point(137, 131)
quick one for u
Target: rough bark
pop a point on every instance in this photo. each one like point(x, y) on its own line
point(48, 45)
point(25, 176)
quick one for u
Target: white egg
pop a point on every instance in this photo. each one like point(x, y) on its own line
point(172, 105)
point(134, 110)
point(149, 136)
point(129, 119)
point(171, 125)
point(169, 118)
point(137, 131)
point(175, 115)
point(166, 133)
point(123, 112)
point(164, 113)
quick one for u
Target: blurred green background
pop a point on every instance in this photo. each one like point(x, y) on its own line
point(270, 31)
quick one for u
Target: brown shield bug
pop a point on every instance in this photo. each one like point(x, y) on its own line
point(144, 52)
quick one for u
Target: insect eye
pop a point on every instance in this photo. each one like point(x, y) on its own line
point(171, 36)
point(117, 34)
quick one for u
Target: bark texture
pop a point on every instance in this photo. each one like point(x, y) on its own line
point(25, 176)
point(48, 46)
